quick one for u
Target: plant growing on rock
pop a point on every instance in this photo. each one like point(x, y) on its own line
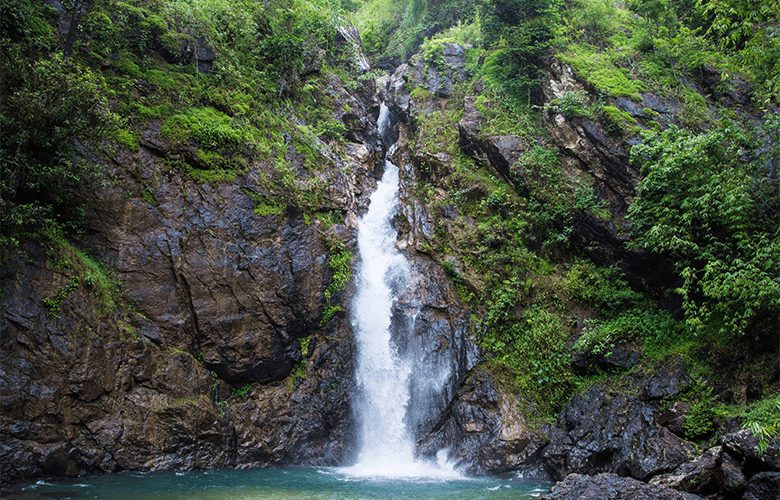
point(763, 420)
point(340, 263)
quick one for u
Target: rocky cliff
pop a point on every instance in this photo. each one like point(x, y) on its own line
point(185, 328)
point(190, 326)
point(631, 423)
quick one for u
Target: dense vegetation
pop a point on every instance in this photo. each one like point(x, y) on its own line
point(708, 199)
point(241, 83)
point(69, 101)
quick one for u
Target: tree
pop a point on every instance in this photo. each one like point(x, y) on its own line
point(51, 109)
point(523, 31)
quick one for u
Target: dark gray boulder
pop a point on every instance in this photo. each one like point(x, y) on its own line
point(763, 486)
point(606, 429)
point(613, 487)
point(700, 475)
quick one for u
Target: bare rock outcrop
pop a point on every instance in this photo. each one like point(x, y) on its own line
point(611, 486)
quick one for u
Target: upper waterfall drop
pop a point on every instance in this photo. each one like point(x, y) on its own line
point(383, 376)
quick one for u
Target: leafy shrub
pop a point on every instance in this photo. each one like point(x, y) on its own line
point(522, 32)
point(53, 109)
point(709, 201)
point(26, 20)
point(763, 420)
point(528, 347)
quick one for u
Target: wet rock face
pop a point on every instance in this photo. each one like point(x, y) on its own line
point(700, 475)
point(764, 485)
point(219, 281)
point(83, 392)
point(605, 429)
point(432, 335)
point(433, 323)
point(437, 78)
point(484, 431)
point(614, 487)
point(204, 364)
point(89, 391)
point(744, 445)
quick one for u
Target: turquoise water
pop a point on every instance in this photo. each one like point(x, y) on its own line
point(298, 483)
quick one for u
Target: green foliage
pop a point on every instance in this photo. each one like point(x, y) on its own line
point(592, 22)
point(53, 109)
point(53, 303)
point(712, 202)
point(700, 422)
point(394, 29)
point(92, 278)
point(624, 315)
point(522, 32)
point(763, 420)
point(206, 126)
point(750, 28)
point(243, 392)
point(618, 120)
point(598, 66)
point(570, 104)
point(340, 263)
point(305, 345)
point(528, 349)
point(26, 21)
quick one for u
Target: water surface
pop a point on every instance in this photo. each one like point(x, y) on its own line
point(271, 483)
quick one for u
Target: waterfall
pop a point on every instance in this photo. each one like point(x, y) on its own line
point(383, 377)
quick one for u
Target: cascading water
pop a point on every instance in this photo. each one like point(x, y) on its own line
point(383, 378)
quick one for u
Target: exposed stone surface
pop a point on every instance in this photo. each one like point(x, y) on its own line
point(207, 366)
point(605, 429)
point(668, 381)
point(431, 332)
point(613, 487)
point(699, 475)
point(744, 445)
point(589, 147)
point(484, 431)
point(617, 359)
point(499, 152)
point(437, 78)
point(203, 366)
point(763, 486)
point(734, 481)
point(674, 417)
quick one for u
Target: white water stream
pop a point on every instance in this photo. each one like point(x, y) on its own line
point(383, 378)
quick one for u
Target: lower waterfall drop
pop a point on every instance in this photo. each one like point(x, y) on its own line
point(383, 377)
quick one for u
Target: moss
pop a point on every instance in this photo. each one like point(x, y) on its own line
point(93, 278)
point(618, 120)
point(616, 83)
point(305, 345)
point(128, 67)
point(340, 263)
point(216, 176)
point(148, 196)
point(264, 210)
point(127, 138)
